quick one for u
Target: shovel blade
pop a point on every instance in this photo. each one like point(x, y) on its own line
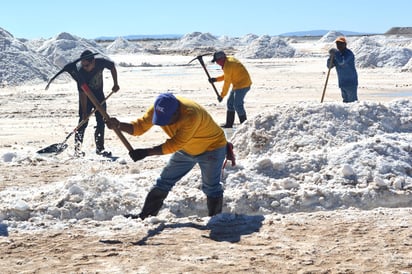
point(54, 148)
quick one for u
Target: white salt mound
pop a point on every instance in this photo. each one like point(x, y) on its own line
point(267, 47)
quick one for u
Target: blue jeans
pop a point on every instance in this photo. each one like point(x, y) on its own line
point(210, 163)
point(235, 101)
point(349, 94)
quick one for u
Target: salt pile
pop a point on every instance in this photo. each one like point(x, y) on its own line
point(407, 66)
point(330, 37)
point(65, 48)
point(121, 46)
point(307, 157)
point(267, 47)
point(301, 157)
point(19, 63)
point(196, 40)
point(248, 38)
point(369, 52)
point(228, 41)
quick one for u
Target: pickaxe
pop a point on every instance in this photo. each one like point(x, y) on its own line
point(200, 58)
point(70, 68)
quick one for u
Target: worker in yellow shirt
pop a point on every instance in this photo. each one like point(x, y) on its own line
point(235, 74)
point(195, 138)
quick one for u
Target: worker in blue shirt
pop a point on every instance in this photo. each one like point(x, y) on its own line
point(344, 60)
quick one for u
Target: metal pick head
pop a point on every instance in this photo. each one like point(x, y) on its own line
point(199, 57)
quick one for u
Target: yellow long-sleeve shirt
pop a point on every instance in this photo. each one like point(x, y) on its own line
point(235, 74)
point(195, 132)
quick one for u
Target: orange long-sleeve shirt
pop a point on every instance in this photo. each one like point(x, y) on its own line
point(195, 132)
point(235, 74)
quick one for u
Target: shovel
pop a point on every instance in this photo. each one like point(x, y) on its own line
point(327, 78)
point(60, 147)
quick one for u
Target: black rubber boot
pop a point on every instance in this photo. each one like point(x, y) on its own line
point(242, 118)
point(153, 203)
point(214, 205)
point(99, 139)
point(78, 140)
point(230, 119)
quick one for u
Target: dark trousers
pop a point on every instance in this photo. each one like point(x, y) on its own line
point(100, 125)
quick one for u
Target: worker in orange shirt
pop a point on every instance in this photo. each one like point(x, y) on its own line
point(235, 74)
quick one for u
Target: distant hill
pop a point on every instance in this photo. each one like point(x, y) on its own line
point(141, 37)
point(399, 31)
point(321, 33)
point(178, 36)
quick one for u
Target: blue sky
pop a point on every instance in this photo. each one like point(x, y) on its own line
point(91, 19)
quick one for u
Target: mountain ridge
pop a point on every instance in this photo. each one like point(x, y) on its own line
point(178, 36)
point(141, 37)
point(322, 32)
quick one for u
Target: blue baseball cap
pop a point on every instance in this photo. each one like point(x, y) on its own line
point(165, 106)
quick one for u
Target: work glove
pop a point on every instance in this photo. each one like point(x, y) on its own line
point(230, 155)
point(332, 52)
point(219, 98)
point(138, 154)
point(212, 80)
point(112, 123)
